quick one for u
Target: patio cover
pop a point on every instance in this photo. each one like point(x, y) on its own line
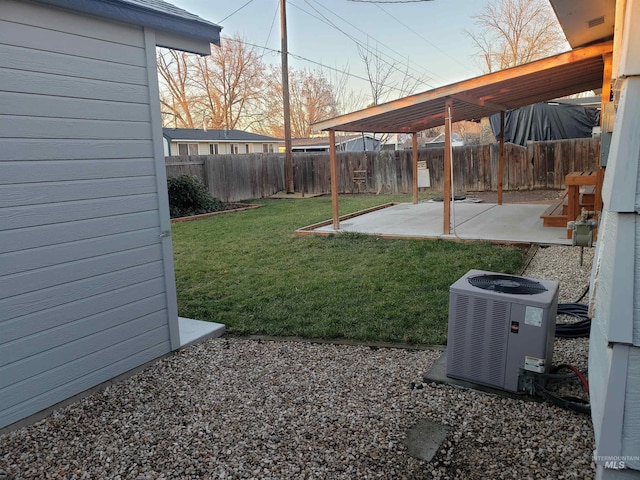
point(564, 74)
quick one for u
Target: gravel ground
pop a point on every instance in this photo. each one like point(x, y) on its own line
point(237, 408)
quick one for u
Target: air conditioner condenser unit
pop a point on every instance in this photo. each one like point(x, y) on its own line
point(500, 326)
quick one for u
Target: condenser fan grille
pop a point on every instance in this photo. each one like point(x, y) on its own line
point(507, 284)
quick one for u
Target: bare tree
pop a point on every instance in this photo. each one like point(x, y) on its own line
point(347, 100)
point(514, 32)
point(469, 131)
point(379, 73)
point(388, 78)
point(312, 99)
point(177, 97)
point(230, 83)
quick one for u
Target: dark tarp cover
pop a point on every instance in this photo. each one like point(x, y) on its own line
point(546, 121)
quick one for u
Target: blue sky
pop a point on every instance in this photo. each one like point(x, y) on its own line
point(429, 34)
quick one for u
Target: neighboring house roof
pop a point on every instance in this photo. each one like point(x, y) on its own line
point(440, 138)
point(311, 142)
point(157, 14)
point(192, 134)
point(319, 142)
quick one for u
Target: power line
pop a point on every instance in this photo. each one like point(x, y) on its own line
point(305, 59)
point(273, 21)
point(418, 34)
point(362, 45)
point(234, 12)
point(359, 43)
point(421, 70)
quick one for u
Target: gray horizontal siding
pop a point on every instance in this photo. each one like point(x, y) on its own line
point(12, 126)
point(37, 149)
point(631, 426)
point(68, 65)
point(12, 103)
point(23, 81)
point(83, 365)
point(107, 302)
point(58, 20)
point(36, 258)
point(83, 293)
point(54, 192)
point(48, 40)
point(129, 355)
point(61, 233)
point(29, 216)
point(48, 277)
point(38, 363)
point(32, 345)
point(45, 299)
point(56, 170)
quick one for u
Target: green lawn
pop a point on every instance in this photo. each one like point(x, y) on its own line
point(249, 271)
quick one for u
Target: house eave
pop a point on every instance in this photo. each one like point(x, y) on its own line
point(190, 34)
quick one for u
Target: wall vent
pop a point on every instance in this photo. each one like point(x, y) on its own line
point(594, 22)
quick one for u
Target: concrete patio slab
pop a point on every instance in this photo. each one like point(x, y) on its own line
point(508, 223)
point(194, 331)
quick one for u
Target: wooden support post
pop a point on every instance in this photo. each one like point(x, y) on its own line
point(501, 158)
point(333, 160)
point(414, 141)
point(606, 97)
point(446, 227)
point(606, 78)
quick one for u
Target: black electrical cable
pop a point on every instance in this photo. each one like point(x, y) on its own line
point(584, 292)
point(569, 403)
point(578, 329)
point(576, 371)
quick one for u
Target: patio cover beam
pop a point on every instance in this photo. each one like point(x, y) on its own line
point(564, 74)
point(481, 101)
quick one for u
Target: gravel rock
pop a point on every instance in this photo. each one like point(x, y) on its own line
point(562, 263)
point(235, 408)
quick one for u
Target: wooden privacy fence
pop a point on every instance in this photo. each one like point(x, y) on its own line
point(540, 165)
point(232, 178)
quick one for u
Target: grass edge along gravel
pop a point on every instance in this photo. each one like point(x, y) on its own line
point(250, 272)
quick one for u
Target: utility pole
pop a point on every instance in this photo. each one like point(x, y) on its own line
point(288, 157)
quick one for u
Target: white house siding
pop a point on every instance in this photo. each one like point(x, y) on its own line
point(223, 147)
point(83, 272)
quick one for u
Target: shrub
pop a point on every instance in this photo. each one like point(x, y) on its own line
point(188, 196)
